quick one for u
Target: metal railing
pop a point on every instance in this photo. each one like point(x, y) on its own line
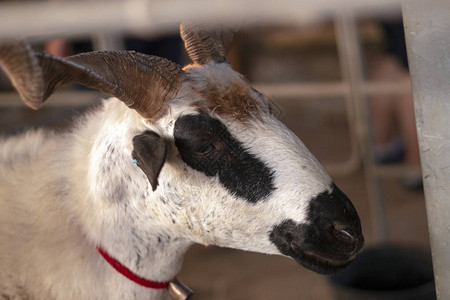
point(69, 18)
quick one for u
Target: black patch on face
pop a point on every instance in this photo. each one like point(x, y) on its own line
point(330, 238)
point(207, 146)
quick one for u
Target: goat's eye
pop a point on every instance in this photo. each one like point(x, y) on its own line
point(205, 149)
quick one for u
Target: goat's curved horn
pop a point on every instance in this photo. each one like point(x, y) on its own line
point(206, 44)
point(142, 82)
point(22, 66)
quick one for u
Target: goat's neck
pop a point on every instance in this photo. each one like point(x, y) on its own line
point(156, 258)
point(125, 215)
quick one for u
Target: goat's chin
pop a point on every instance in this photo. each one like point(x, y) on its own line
point(321, 265)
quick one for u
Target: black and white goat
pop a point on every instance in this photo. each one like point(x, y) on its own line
point(177, 156)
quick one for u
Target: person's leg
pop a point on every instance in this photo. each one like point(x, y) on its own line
point(387, 147)
point(404, 107)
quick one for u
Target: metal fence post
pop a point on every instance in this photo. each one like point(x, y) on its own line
point(427, 30)
point(352, 70)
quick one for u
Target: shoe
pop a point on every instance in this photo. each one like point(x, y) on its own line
point(412, 181)
point(393, 152)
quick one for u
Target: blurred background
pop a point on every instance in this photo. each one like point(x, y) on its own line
point(340, 83)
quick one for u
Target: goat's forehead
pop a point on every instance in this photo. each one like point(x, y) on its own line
point(212, 73)
point(222, 91)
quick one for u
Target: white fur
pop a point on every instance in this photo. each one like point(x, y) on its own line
point(63, 194)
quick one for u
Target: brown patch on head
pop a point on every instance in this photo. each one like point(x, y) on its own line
point(234, 101)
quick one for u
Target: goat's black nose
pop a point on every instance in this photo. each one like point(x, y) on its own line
point(334, 222)
point(330, 238)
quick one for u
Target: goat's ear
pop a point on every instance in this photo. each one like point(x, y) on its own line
point(150, 151)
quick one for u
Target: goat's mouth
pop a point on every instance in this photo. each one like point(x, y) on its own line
point(322, 251)
point(321, 264)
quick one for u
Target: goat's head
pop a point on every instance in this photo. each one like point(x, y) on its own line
point(235, 175)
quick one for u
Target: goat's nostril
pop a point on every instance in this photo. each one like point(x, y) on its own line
point(347, 234)
point(341, 231)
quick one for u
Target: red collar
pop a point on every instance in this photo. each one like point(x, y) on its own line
point(129, 274)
